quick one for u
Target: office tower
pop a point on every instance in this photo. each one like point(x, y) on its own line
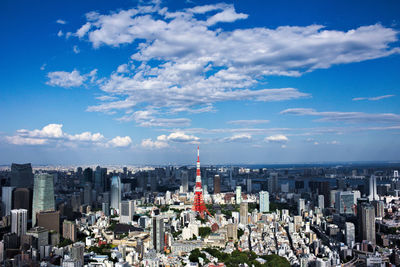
point(70, 230)
point(379, 208)
point(158, 233)
point(368, 223)
point(49, 220)
point(153, 180)
point(105, 207)
point(198, 203)
point(264, 201)
point(396, 174)
point(217, 184)
point(273, 183)
point(232, 231)
point(100, 175)
point(6, 199)
point(321, 202)
point(115, 192)
point(43, 195)
point(248, 185)
point(88, 175)
point(77, 251)
point(244, 211)
point(185, 181)
point(22, 199)
point(87, 194)
point(372, 188)
point(301, 205)
point(238, 194)
point(126, 211)
point(350, 234)
point(75, 202)
point(344, 202)
point(19, 220)
point(21, 175)
point(332, 198)
point(40, 235)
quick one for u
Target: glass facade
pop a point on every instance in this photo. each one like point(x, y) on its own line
point(43, 194)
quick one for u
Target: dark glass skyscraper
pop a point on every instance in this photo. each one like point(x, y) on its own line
point(21, 175)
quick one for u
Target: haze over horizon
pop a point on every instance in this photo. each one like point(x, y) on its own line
point(145, 82)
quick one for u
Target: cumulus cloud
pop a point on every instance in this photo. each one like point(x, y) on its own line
point(54, 134)
point(148, 143)
point(163, 141)
point(375, 98)
point(182, 63)
point(60, 33)
point(238, 138)
point(69, 79)
point(349, 117)
point(120, 141)
point(278, 138)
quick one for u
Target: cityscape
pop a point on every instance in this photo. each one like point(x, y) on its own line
point(167, 133)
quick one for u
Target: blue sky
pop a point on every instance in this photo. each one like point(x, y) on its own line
point(128, 82)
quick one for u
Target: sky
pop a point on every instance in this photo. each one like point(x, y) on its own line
point(250, 82)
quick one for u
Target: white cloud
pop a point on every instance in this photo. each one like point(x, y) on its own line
point(148, 143)
point(334, 142)
point(43, 67)
point(60, 33)
point(76, 49)
point(350, 117)
point(65, 79)
point(183, 64)
point(181, 137)
point(238, 138)
point(60, 21)
point(278, 138)
point(248, 122)
point(52, 130)
point(86, 136)
point(120, 141)
point(375, 98)
point(19, 140)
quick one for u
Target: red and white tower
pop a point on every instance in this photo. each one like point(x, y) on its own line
point(198, 203)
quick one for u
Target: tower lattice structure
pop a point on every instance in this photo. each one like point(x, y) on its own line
point(198, 204)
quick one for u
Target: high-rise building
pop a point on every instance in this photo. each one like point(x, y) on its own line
point(19, 220)
point(185, 181)
point(379, 208)
point(238, 194)
point(273, 182)
point(87, 194)
point(350, 234)
point(344, 202)
point(105, 207)
point(6, 199)
point(244, 213)
point(217, 184)
point(43, 195)
point(373, 195)
point(264, 201)
point(100, 179)
point(70, 230)
point(301, 205)
point(396, 174)
point(232, 231)
point(75, 202)
point(21, 175)
point(49, 220)
point(368, 223)
point(77, 251)
point(115, 192)
point(22, 199)
point(249, 187)
point(126, 211)
point(321, 202)
point(88, 175)
point(157, 234)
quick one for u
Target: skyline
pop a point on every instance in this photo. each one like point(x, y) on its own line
point(146, 82)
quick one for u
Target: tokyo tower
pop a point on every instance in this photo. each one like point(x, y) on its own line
point(198, 204)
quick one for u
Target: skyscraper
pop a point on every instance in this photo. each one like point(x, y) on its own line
point(6, 199)
point(19, 221)
point(115, 192)
point(21, 175)
point(126, 211)
point(368, 223)
point(321, 202)
point(264, 201)
point(344, 202)
point(372, 188)
point(22, 199)
point(88, 175)
point(273, 183)
point(43, 194)
point(100, 179)
point(70, 230)
point(244, 213)
point(350, 234)
point(249, 186)
point(49, 220)
point(157, 233)
point(185, 181)
point(301, 205)
point(238, 194)
point(217, 184)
